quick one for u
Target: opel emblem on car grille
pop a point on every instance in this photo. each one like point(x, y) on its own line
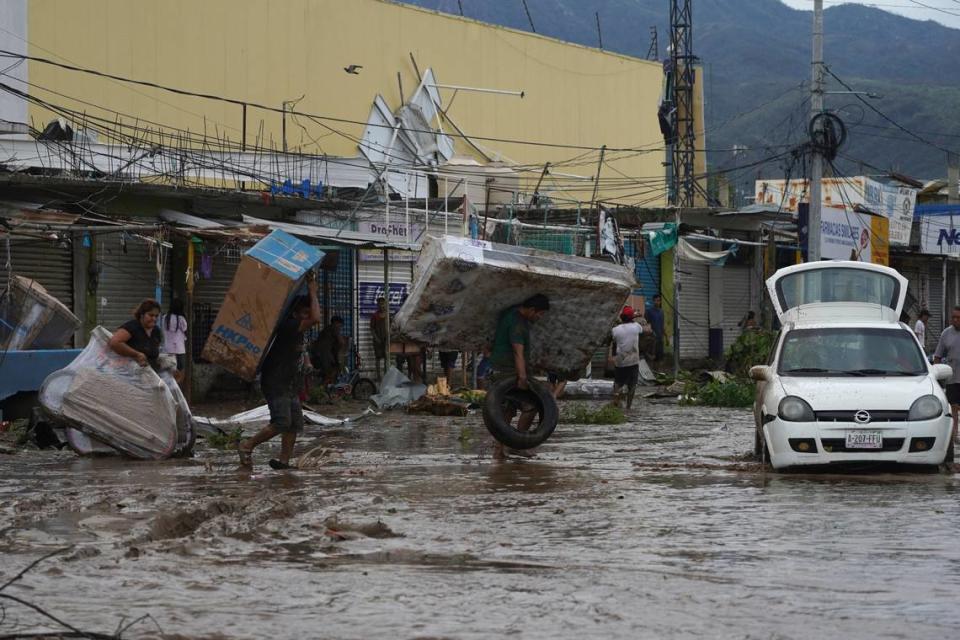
point(862, 417)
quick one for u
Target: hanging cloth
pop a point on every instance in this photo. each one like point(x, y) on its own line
point(690, 253)
point(206, 266)
point(663, 239)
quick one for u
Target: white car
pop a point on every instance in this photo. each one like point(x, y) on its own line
point(846, 381)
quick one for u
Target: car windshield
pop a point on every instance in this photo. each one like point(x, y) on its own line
point(837, 284)
point(849, 351)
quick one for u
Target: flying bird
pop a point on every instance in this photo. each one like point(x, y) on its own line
point(354, 69)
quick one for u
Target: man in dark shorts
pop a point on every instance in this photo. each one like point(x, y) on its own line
point(378, 331)
point(654, 315)
point(948, 352)
point(510, 354)
point(281, 379)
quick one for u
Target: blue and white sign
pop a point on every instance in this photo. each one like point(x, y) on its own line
point(370, 291)
point(940, 230)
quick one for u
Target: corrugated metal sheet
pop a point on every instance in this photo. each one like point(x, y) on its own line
point(209, 293)
point(126, 277)
point(694, 307)
point(42, 260)
point(736, 301)
point(337, 290)
point(936, 307)
point(647, 267)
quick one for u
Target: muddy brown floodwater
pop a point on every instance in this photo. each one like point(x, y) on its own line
point(660, 528)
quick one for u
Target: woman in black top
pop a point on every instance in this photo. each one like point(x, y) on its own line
point(140, 338)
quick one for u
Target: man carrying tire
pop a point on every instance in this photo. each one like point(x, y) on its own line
point(509, 357)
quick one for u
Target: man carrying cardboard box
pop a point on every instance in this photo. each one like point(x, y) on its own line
point(281, 380)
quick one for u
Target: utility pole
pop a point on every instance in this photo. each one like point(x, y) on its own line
point(681, 66)
point(684, 147)
point(816, 164)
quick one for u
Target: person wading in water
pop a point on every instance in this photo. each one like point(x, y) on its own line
point(510, 355)
point(281, 380)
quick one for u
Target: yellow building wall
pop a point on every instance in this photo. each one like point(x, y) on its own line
point(269, 51)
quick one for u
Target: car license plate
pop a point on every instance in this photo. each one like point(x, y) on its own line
point(864, 440)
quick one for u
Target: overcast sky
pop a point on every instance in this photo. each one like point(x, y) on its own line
point(943, 11)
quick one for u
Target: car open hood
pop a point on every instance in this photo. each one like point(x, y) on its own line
point(866, 392)
point(838, 290)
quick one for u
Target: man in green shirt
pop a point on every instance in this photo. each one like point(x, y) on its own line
point(511, 352)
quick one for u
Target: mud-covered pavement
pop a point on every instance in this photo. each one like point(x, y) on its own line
point(661, 528)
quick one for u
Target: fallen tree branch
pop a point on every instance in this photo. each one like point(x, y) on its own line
point(72, 631)
point(44, 612)
point(55, 634)
point(33, 564)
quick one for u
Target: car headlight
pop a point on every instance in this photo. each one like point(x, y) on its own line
point(794, 409)
point(925, 408)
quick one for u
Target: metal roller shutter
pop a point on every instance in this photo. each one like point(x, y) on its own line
point(917, 295)
point(647, 268)
point(936, 301)
point(49, 263)
point(209, 293)
point(953, 283)
point(337, 294)
point(127, 277)
point(694, 307)
point(736, 301)
point(370, 286)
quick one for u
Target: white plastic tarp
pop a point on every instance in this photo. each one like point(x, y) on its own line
point(260, 416)
point(116, 401)
point(396, 390)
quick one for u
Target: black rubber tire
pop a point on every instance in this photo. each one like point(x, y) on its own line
point(363, 389)
point(949, 457)
point(505, 433)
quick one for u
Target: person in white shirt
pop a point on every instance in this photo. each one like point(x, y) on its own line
point(174, 326)
point(921, 327)
point(625, 356)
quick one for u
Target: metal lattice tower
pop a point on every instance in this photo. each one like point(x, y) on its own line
point(653, 52)
point(682, 66)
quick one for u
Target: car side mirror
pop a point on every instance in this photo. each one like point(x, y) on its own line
point(942, 372)
point(761, 373)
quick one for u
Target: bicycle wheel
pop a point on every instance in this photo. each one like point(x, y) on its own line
point(363, 389)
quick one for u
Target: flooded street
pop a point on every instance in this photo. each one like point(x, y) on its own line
point(662, 528)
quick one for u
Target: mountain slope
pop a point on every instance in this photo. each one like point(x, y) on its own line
point(757, 52)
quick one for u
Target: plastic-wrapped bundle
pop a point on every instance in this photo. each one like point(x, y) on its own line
point(461, 286)
point(115, 401)
point(30, 318)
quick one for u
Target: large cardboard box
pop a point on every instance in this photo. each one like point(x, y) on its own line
point(268, 278)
